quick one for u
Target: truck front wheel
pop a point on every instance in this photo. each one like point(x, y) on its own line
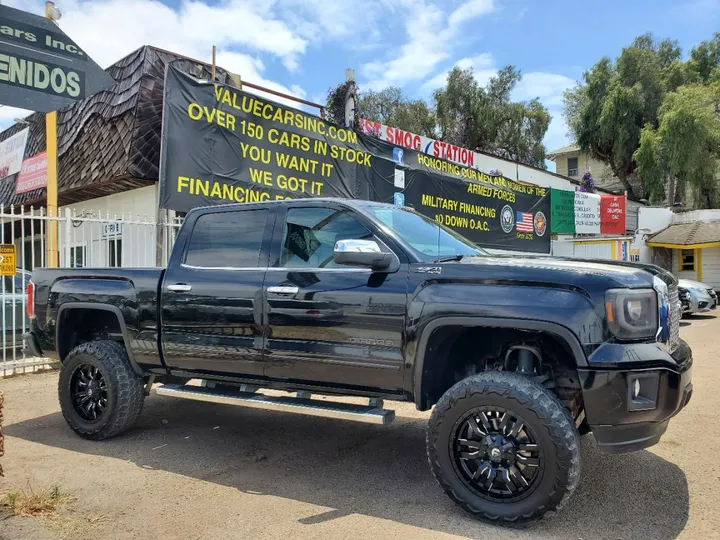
point(100, 394)
point(503, 448)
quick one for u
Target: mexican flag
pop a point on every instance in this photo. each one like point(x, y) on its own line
point(577, 212)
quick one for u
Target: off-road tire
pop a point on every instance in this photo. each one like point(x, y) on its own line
point(548, 418)
point(125, 389)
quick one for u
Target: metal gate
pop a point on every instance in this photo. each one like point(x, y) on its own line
point(89, 239)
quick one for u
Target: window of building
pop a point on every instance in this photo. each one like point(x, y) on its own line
point(77, 256)
point(687, 260)
point(311, 233)
point(115, 252)
point(227, 239)
point(572, 166)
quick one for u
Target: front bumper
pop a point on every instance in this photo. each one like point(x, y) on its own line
point(699, 302)
point(621, 422)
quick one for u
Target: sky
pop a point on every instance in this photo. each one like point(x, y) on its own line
point(302, 47)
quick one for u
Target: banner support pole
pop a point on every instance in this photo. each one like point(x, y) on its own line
point(51, 246)
point(213, 62)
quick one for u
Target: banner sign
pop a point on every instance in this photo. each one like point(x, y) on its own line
point(12, 151)
point(222, 145)
point(420, 143)
point(577, 212)
point(33, 174)
point(492, 211)
point(41, 68)
point(613, 214)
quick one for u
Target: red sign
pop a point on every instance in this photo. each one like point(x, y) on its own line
point(33, 174)
point(419, 143)
point(612, 214)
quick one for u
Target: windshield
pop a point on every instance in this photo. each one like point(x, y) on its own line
point(430, 240)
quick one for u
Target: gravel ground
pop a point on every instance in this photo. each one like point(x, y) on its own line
point(196, 470)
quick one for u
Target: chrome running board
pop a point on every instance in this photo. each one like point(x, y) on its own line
point(373, 413)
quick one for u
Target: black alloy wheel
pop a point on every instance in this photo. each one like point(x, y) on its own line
point(100, 393)
point(504, 448)
point(497, 453)
point(89, 392)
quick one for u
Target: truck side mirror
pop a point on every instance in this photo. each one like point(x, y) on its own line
point(365, 253)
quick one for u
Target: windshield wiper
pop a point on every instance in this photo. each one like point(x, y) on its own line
point(449, 258)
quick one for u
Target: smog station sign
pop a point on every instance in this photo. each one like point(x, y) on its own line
point(41, 68)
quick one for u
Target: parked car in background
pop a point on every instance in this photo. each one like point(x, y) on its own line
point(14, 318)
point(696, 297)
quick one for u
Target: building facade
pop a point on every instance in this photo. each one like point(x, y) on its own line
point(687, 243)
point(570, 161)
point(108, 170)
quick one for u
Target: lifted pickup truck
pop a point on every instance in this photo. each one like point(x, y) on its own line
point(518, 355)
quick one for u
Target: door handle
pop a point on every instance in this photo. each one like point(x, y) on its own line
point(283, 289)
point(179, 287)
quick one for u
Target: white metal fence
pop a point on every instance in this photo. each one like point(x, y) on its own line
point(86, 239)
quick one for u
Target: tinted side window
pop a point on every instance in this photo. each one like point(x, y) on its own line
point(227, 239)
point(310, 235)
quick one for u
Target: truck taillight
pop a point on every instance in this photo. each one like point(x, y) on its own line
point(30, 307)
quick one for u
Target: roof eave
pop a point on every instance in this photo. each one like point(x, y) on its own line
point(683, 246)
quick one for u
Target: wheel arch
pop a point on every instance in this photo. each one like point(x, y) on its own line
point(113, 311)
point(557, 331)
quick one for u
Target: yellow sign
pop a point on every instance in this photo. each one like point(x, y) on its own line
point(7, 259)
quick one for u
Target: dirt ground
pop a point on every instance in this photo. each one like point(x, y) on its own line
point(196, 470)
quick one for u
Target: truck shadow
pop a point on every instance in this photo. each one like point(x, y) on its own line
point(699, 317)
point(370, 470)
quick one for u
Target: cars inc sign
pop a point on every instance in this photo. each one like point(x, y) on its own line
point(41, 68)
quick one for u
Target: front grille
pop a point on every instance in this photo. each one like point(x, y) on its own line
point(674, 318)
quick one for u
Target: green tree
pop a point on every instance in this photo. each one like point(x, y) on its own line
point(391, 107)
point(616, 109)
point(607, 113)
point(684, 150)
point(485, 119)
point(468, 115)
point(705, 58)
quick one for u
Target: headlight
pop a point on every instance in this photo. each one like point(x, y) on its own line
point(699, 291)
point(632, 314)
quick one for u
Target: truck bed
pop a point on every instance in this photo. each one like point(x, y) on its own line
point(133, 292)
point(84, 282)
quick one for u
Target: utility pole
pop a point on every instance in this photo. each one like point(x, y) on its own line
point(350, 99)
point(51, 246)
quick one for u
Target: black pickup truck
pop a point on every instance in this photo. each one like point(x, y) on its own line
point(517, 355)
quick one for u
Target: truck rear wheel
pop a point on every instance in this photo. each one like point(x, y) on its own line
point(503, 448)
point(100, 394)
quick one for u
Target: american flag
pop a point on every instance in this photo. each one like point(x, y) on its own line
point(524, 222)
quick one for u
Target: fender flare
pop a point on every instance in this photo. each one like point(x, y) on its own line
point(559, 331)
point(69, 306)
